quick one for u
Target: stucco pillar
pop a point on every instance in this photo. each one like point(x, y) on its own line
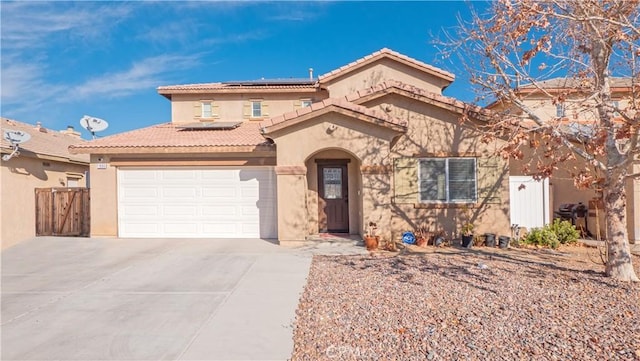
point(293, 220)
point(104, 197)
point(376, 198)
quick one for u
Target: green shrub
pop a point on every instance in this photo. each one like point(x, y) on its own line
point(542, 237)
point(553, 235)
point(565, 231)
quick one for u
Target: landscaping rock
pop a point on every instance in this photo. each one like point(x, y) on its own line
point(444, 306)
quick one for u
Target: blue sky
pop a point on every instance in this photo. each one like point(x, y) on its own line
point(61, 60)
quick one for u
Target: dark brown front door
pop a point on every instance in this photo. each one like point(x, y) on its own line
point(334, 197)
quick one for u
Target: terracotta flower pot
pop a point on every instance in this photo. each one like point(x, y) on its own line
point(371, 242)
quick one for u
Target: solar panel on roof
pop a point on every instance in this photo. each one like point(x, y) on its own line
point(209, 126)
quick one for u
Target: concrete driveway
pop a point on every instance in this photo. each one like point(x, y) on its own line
point(135, 299)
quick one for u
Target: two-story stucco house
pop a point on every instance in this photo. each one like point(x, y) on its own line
point(576, 114)
point(372, 141)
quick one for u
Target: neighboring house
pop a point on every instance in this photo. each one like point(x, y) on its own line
point(373, 141)
point(44, 161)
point(534, 205)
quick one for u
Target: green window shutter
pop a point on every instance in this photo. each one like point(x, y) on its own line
point(246, 110)
point(197, 110)
point(489, 180)
point(265, 109)
point(405, 179)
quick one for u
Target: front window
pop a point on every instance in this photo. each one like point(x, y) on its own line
point(206, 109)
point(560, 110)
point(256, 109)
point(448, 180)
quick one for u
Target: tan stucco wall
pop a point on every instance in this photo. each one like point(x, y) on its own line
point(104, 197)
point(378, 72)
point(298, 144)
point(632, 190)
point(431, 131)
point(563, 190)
point(576, 108)
point(19, 178)
point(231, 106)
point(435, 132)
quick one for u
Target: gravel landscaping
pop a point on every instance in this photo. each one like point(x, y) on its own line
point(452, 304)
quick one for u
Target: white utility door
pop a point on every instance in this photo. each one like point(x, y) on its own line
point(197, 203)
point(529, 201)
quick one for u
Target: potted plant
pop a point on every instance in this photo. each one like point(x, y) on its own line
point(467, 234)
point(370, 238)
point(423, 236)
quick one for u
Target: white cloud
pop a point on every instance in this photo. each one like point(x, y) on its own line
point(28, 25)
point(142, 75)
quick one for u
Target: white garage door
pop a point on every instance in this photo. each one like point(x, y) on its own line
point(197, 203)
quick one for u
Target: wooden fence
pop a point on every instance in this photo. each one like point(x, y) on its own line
point(62, 212)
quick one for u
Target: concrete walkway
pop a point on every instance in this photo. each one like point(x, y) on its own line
point(134, 299)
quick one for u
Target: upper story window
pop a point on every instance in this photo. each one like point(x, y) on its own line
point(448, 180)
point(616, 106)
point(256, 108)
point(206, 109)
point(305, 103)
point(560, 110)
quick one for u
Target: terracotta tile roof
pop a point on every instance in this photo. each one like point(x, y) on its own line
point(564, 83)
point(427, 96)
point(276, 84)
point(386, 53)
point(43, 141)
point(171, 135)
point(339, 103)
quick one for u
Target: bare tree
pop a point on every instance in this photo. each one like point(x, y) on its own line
point(592, 46)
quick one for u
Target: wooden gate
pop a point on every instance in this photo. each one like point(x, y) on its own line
point(62, 212)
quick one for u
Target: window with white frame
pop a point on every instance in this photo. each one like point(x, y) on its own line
point(256, 109)
point(73, 182)
point(560, 110)
point(305, 103)
point(448, 180)
point(206, 109)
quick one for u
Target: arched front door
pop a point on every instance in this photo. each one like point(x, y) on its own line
point(333, 193)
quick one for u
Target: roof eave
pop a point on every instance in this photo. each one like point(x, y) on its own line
point(458, 107)
point(333, 108)
point(173, 150)
point(329, 77)
point(168, 93)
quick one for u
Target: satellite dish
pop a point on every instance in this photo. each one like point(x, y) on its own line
point(15, 137)
point(93, 124)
